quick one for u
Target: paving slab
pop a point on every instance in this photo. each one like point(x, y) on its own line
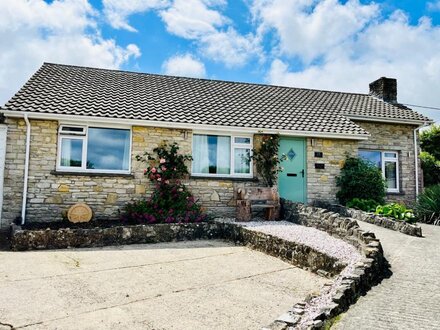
point(410, 298)
point(184, 285)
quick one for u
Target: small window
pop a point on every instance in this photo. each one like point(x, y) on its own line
point(387, 161)
point(94, 149)
point(72, 130)
point(221, 155)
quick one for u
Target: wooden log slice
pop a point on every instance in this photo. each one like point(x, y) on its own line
point(79, 212)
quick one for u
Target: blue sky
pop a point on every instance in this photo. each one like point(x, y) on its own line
point(323, 44)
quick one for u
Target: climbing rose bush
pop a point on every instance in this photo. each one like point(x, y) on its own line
point(170, 201)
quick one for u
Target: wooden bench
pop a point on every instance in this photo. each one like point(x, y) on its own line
point(258, 198)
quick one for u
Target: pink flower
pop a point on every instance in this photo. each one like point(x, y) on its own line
point(153, 170)
point(162, 160)
point(174, 169)
point(167, 181)
point(159, 179)
point(145, 171)
point(164, 168)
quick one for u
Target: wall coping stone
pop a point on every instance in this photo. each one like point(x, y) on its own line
point(400, 226)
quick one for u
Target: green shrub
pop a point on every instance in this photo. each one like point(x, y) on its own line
point(431, 169)
point(396, 211)
point(428, 205)
point(367, 205)
point(360, 179)
point(430, 141)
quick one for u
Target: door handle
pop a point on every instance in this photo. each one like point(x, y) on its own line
point(302, 173)
point(292, 174)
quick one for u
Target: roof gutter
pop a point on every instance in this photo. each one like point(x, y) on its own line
point(387, 120)
point(26, 169)
point(174, 125)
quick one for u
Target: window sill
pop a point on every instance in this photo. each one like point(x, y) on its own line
point(393, 193)
point(92, 174)
point(224, 178)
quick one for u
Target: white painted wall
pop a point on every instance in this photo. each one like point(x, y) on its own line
point(3, 132)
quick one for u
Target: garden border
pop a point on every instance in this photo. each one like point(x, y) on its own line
point(400, 226)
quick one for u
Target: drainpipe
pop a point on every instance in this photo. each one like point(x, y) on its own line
point(26, 169)
point(416, 156)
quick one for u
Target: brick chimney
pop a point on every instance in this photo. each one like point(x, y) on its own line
point(384, 89)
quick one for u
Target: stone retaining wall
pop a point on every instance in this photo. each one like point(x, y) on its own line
point(403, 227)
point(297, 254)
point(350, 285)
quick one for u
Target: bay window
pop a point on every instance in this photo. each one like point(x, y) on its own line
point(218, 155)
point(94, 149)
point(388, 163)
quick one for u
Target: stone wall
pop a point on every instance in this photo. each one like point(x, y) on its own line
point(50, 194)
point(321, 183)
point(353, 282)
point(400, 138)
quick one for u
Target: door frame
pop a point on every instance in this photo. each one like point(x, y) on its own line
point(304, 140)
point(3, 136)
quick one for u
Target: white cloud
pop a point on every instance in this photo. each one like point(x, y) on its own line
point(390, 46)
point(184, 65)
point(192, 19)
point(308, 28)
point(212, 32)
point(118, 11)
point(33, 32)
point(434, 5)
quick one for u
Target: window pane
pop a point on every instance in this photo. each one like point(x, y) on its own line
point(71, 152)
point(242, 161)
point(108, 149)
point(242, 140)
point(371, 156)
point(391, 174)
point(211, 154)
point(390, 155)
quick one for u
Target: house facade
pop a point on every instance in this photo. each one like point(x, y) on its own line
point(73, 134)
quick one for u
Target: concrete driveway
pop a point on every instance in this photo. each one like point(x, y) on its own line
point(186, 285)
point(410, 298)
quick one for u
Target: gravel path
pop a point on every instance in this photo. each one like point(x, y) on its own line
point(321, 241)
point(312, 237)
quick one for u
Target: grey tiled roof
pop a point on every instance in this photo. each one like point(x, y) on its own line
point(72, 90)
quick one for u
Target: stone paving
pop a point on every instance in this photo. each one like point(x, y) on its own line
point(410, 298)
point(185, 285)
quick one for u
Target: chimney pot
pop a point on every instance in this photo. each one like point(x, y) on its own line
point(385, 89)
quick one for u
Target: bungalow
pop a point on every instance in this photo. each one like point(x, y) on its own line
point(73, 134)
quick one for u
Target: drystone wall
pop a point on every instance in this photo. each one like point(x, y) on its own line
point(350, 284)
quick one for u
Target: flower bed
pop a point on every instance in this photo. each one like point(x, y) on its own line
point(389, 223)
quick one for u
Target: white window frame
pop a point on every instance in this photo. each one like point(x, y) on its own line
point(383, 160)
point(233, 146)
point(84, 137)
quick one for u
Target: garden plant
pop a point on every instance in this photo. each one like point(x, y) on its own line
point(267, 160)
point(360, 179)
point(170, 201)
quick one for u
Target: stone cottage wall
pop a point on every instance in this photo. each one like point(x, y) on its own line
point(321, 183)
point(50, 194)
point(395, 137)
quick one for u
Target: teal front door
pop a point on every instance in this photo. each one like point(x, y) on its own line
point(292, 180)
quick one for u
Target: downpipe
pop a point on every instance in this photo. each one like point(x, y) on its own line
point(26, 169)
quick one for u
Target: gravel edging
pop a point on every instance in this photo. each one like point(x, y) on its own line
point(354, 281)
point(400, 226)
